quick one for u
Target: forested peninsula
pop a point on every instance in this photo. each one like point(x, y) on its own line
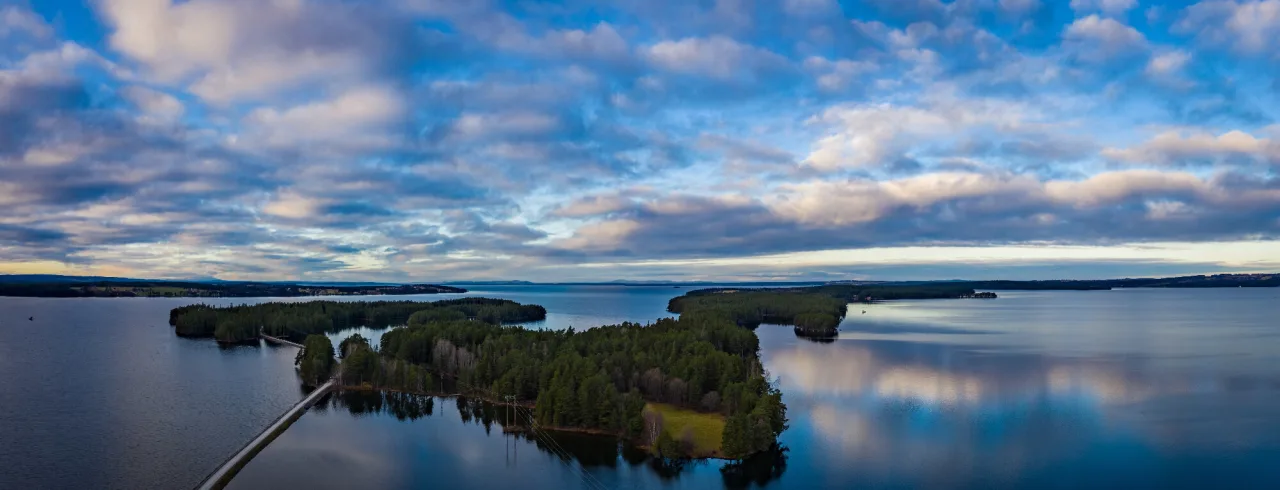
point(615, 379)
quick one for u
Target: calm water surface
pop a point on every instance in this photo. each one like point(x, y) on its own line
point(1110, 389)
point(99, 393)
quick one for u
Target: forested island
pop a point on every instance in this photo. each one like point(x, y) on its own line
point(168, 289)
point(621, 380)
point(294, 321)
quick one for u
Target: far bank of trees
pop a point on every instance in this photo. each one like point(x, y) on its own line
point(814, 311)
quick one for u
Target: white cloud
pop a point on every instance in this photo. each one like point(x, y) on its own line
point(837, 75)
point(1200, 147)
point(873, 135)
point(1099, 39)
point(355, 118)
point(716, 57)
point(1247, 26)
point(290, 204)
point(237, 49)
point(1168, 63)
point(839, 204)
point(1109, 7)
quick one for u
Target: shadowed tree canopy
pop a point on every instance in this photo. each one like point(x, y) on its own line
point(598, 379)
point(294, 321)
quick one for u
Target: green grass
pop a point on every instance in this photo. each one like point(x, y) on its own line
point(708, 428)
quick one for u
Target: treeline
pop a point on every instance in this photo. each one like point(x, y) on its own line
point(751, 307)
point(856, 293)
point(175, 289)
point(315, 360)
point(598, 379)
point(813, 311)
point(294, 321)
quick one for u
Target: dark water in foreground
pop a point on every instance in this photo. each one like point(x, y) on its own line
point(1113, 389)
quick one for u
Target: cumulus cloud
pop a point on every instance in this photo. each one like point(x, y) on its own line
point(837, 75)
point(1183, 148)
point(1248, 26)
point(880, 135)
point(357, 117)
point(717, 57)
point(236, 49)
point(1168, 63)
point(1099, 39)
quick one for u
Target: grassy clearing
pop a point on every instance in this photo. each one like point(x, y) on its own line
point(708, 428)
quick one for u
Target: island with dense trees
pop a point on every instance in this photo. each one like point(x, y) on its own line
point(599, 380)
point(294, 321)
point(620, 380)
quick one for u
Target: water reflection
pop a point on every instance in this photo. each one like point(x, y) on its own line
point(917, 407)
point(459, 442)
point(1138, 389)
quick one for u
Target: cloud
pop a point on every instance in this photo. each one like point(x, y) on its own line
point(1097, 39)
point(837, 75)
point(242, 49)
point(1168, 64)
point(1185, 148)
point(15, 20)
point(955, 208)
point(1250, 26)
point(1113, 8)
point(716, 57)
point(153, 102)
point(358, 118)
point(879, 135)
point(411, 139)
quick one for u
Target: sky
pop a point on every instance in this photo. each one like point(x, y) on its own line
point(432, 140)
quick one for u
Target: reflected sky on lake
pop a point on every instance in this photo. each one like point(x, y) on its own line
point(1113, 388)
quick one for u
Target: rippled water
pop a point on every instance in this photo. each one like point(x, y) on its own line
point(1109, 389)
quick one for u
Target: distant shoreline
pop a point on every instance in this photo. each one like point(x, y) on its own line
point(162, 289)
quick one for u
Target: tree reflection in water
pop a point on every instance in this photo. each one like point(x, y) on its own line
point(588, 450)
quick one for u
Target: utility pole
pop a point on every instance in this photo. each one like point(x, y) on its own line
point(510, 399)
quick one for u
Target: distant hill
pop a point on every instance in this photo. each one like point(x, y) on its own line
point(55, 278)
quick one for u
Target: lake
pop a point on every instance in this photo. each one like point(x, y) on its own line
point(1106, 389)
